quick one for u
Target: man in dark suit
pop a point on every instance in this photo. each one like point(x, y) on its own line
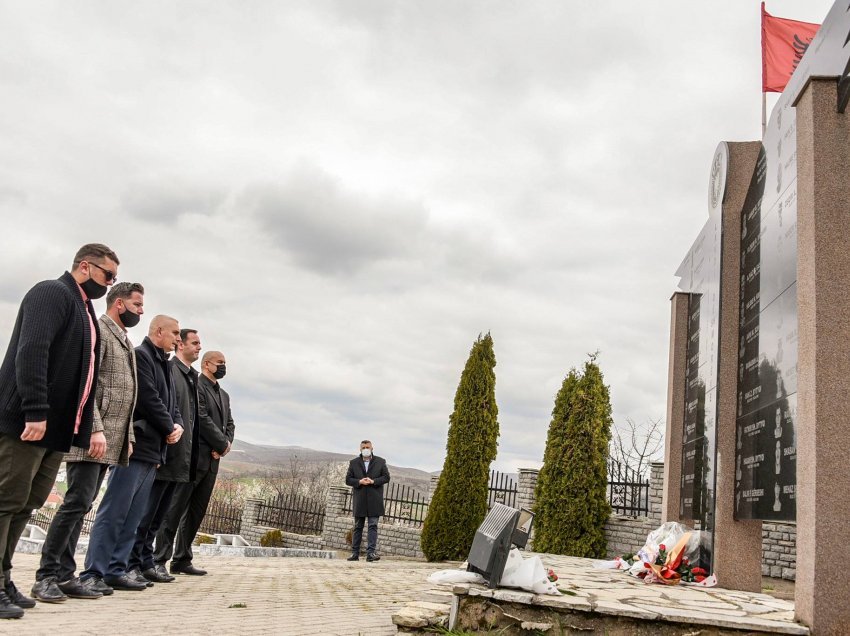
point(156, 423)
point(48, 381)
point(215, 435)
point(180, 464)
point(367, 474)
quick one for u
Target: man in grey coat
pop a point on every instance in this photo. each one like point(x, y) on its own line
point(367, 474)
point(115, 399)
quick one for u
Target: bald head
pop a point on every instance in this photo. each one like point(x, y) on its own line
point(164, 332)
point(213, 365)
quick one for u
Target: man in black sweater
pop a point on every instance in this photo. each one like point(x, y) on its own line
point(47, 387)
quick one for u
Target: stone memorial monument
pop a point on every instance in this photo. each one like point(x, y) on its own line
point(759, 375)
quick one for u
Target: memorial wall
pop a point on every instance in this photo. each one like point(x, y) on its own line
point(766, 448)
point(765, 427)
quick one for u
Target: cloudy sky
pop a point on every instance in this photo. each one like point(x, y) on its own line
point(341, 195)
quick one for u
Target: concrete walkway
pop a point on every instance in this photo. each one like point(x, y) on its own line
point(285, 596)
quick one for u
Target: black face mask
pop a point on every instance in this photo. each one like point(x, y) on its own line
point(129, 319)
point(220, 371)
point(93, 289)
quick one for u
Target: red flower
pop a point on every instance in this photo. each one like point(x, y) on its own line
point(662, 547)
point(696, 571)
point(699, 578)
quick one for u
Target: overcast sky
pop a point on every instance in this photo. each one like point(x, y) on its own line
point(342, 195)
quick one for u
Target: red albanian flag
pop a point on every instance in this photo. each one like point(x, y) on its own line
point(783, 43)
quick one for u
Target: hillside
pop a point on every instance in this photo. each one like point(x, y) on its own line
point(247, 459)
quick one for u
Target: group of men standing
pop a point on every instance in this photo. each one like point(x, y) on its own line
point(73, 388)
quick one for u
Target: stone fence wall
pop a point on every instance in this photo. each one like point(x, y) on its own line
point(624, 534)
point(779, 550)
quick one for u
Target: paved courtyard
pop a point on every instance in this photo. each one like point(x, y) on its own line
point(287, 596)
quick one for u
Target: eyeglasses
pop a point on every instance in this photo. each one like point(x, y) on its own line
point(110, 275)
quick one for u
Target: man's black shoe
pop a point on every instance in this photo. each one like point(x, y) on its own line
point(47, 591)
point(160, 569)
point(79, 588)
point(353, 557)
point(152, 575)
point(17, 598)
point(372, 557)
point(137, 576)
point(124, 582)
point(7, 608)
point(187, 569)
point(98, 585)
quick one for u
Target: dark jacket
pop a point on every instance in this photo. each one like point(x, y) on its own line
point(215, 426)
point(156, 410)
point(181, 459)
point(367, 501)
point(44, 373)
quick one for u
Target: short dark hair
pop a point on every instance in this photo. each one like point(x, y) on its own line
point(123, 291)
point(94, 250)
point(365, 441)
point(185, 333)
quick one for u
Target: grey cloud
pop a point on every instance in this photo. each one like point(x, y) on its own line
point(330, 229)
point(166, 199)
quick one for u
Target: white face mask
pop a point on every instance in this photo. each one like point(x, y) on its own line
point(366, 452)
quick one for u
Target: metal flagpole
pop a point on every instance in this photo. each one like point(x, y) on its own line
point(763, 113)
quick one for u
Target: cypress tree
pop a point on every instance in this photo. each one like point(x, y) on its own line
point(459, 504)
point(571, 504)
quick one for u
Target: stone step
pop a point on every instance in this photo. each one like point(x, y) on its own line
point(438, 595)
point(419, 615)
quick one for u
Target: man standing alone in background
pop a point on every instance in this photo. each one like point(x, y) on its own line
point(367, 474)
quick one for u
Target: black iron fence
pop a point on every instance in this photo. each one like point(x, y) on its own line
point(402, 504)
point(628, 490)
point(222, 518)
point(292, 513)
point(44, 516)
point(502, 489)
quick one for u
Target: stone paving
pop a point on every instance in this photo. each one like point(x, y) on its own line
point(306, 596)
point(285, 596)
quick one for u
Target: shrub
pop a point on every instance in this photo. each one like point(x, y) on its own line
point(571, 504)
point(201, 538)
point(272, 539)
point(459, 504)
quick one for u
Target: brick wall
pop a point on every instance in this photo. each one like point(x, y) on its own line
point(779, 550)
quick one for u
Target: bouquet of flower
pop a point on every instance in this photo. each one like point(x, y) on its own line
point(671, 567)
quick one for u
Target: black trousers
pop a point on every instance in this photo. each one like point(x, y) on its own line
point(27, 473)
point(371, 537)
point(188, 508)
point(160, 500)
point(57, 554)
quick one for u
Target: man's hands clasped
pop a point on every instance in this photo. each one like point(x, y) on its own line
point(175, 435)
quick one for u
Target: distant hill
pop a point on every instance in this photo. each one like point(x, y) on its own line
point(247, 459)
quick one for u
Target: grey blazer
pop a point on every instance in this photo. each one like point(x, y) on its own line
point(115, 397)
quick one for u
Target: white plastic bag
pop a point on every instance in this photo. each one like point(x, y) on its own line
point(527, 574)
point(614, 564)
point(455, 576)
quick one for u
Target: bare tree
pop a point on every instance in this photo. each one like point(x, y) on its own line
point(637, 445)
point(297, 477)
